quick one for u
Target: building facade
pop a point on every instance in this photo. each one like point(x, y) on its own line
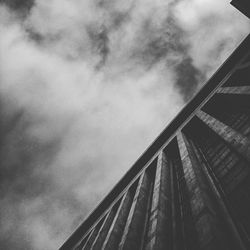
point(190, 190)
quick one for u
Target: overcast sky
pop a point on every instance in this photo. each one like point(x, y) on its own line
point(85, 87)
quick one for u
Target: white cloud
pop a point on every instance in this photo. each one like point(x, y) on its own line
point(213, 29)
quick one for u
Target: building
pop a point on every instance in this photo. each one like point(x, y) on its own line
point(190, 190)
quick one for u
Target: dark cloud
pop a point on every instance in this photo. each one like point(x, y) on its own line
point(99, 43)
point(21, 6)
point(167, 44)
point(20, 159)
point(17, 241)
point(188, 78)
point(119, 18)
point(24, 178)
point(37, 37)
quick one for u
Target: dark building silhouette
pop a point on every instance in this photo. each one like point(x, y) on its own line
point(190, 190)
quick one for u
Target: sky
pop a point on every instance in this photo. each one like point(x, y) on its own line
point(85, 87)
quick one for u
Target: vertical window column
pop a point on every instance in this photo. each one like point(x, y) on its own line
point(158, 235)
point(93, 235)
point(97, 244)
point(115, 232)
point(201, 205)
point(234, 236)
point(133, 232)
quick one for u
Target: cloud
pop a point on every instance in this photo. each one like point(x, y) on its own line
point(21, 6)
point(210, 32)
point(85, 86)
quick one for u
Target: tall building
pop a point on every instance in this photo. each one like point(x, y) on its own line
point(190, 190)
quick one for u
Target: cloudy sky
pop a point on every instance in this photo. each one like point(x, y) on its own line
point(85, 86)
